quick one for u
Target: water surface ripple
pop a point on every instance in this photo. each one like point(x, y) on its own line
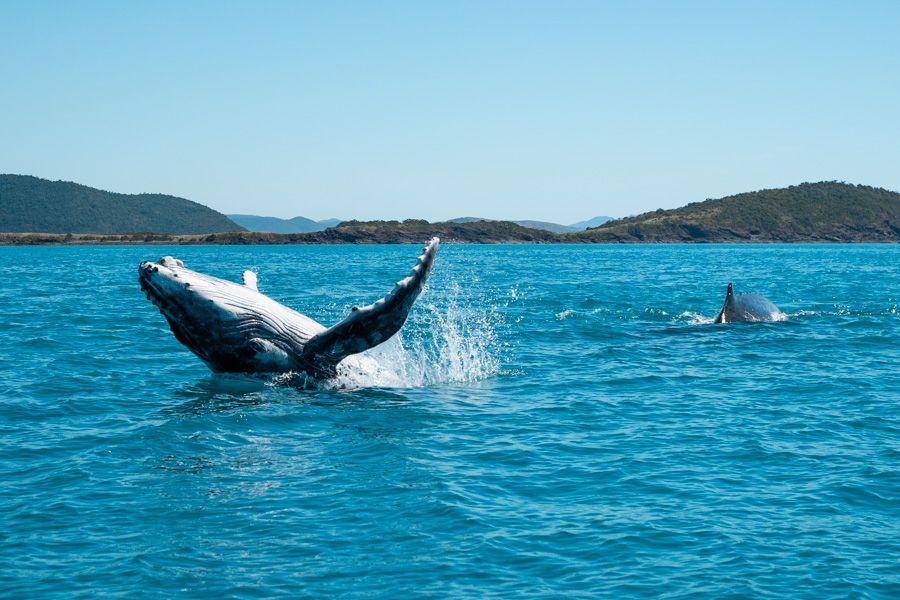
point(554, 422)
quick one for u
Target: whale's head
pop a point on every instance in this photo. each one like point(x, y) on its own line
point(166, 286)
point(193, 315)
point(169, 285)
point(217, 320)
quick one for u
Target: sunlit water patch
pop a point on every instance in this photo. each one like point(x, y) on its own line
point(551, 422)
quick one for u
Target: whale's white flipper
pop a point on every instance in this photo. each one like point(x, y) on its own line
point(249, 278)
point(371, 325)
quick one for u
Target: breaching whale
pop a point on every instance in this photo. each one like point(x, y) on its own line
point(747, 307)
point(233, 328)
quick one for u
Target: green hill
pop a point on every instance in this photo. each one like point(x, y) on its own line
point(30, 204)
point(810, 212)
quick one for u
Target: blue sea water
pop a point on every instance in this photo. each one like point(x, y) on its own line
point(553, 422)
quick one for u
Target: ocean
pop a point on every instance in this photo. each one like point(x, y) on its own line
point(552, 422)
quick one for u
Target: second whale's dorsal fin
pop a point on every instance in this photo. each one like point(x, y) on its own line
point(368, 326)
point(249, 278)
point(727, 308)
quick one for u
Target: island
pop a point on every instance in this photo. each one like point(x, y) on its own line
point(821, 212)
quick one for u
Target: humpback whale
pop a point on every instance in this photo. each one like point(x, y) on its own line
point(233, 328)
point(747, 307)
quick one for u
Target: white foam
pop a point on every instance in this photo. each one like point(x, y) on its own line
point(693, 318)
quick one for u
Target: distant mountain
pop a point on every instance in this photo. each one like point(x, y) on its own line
point(827, 211)
point(544, 225)
point(553, 227)
point(410, 231)
point(31, 204)
point(276, 225)
point(595, 222)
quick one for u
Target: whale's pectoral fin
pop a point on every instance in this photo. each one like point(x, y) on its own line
point(728, 307)
point(249, 278)
point(371, 325)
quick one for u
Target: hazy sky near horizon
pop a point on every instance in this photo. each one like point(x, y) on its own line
point(556, 111)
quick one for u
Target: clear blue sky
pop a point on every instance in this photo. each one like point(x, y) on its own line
point(556, 111)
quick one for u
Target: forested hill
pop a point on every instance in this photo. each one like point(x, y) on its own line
point(810, 212)
point(31, 204)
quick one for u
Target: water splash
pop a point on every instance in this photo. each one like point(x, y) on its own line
point(656, 314)
point(693, 318)
point(451, 338)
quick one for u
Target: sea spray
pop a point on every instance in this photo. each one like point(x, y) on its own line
point(452, 336)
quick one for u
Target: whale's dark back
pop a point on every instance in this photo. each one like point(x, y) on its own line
point(747, 307)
